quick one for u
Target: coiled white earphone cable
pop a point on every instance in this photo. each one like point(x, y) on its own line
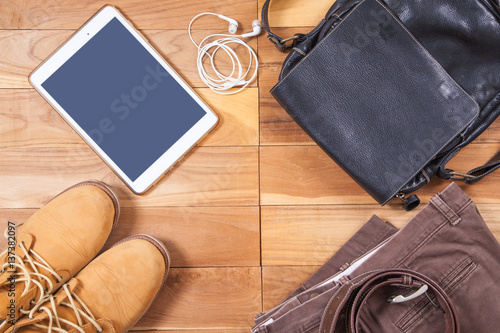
point(223, 83)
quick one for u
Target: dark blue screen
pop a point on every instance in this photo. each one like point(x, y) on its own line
point(121, 96)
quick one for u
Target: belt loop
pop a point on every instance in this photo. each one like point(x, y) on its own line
point(344, 279)
point(446, 210)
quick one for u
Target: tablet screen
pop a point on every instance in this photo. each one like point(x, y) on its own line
point(123, 99)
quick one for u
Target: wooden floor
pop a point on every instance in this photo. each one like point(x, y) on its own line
point(250, 213)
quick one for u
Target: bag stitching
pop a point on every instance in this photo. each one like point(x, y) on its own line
point(290, 56)
point(321, 42)
point(300, 51)
point(426, 176)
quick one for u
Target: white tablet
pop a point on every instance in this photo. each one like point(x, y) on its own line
point(123, 99)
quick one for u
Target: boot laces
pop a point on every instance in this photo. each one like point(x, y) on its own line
point(54, 319)
point(34, 261)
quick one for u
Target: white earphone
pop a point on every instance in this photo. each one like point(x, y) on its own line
point(233, 24)
point(223, 82)
point(257, 28)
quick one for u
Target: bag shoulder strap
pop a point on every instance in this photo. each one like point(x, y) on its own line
point(282, 44)
point(473, 175)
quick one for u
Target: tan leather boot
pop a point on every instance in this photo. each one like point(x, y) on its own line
point(109, 295)
point(53, 245)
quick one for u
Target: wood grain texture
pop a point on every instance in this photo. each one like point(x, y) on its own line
point(28, 121)
point(194, 236)
point(296, 13)
point(298, 175)
point(271, 60)
point(250, 214)
point(238, 118)
point(276, 126)
point(310, 235)
point(145, 14)
point(206, 298)
point(279, 281)
point(208, 176)
point(26, 49)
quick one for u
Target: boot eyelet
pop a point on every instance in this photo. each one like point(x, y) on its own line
point(20, 308)
point(46, 290)
point(100, 330)
point(32, 301)
point(2, 271)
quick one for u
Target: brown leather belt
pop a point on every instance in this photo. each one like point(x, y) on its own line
point(359, 289)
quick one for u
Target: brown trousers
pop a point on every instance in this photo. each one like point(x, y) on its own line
point(447, 241)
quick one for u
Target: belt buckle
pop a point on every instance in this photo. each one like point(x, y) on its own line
point(412, 295)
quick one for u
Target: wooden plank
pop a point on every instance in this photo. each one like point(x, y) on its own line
point(145, 14)
point(276, 126)
point(279, 281)
point(238, 118)
point(198, 236)
point(271, 60)
point(28, 121)
point(305, 175)
point(297, 13)
point(195, 236)
point(29, 48)
point(298, 175)
point(310, 235)
point(206, 298)
point(208, 176)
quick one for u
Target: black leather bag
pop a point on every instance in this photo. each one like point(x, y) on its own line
point(391, 90)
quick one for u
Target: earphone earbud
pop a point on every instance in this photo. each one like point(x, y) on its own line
point(257, 28)
point(233, 24)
